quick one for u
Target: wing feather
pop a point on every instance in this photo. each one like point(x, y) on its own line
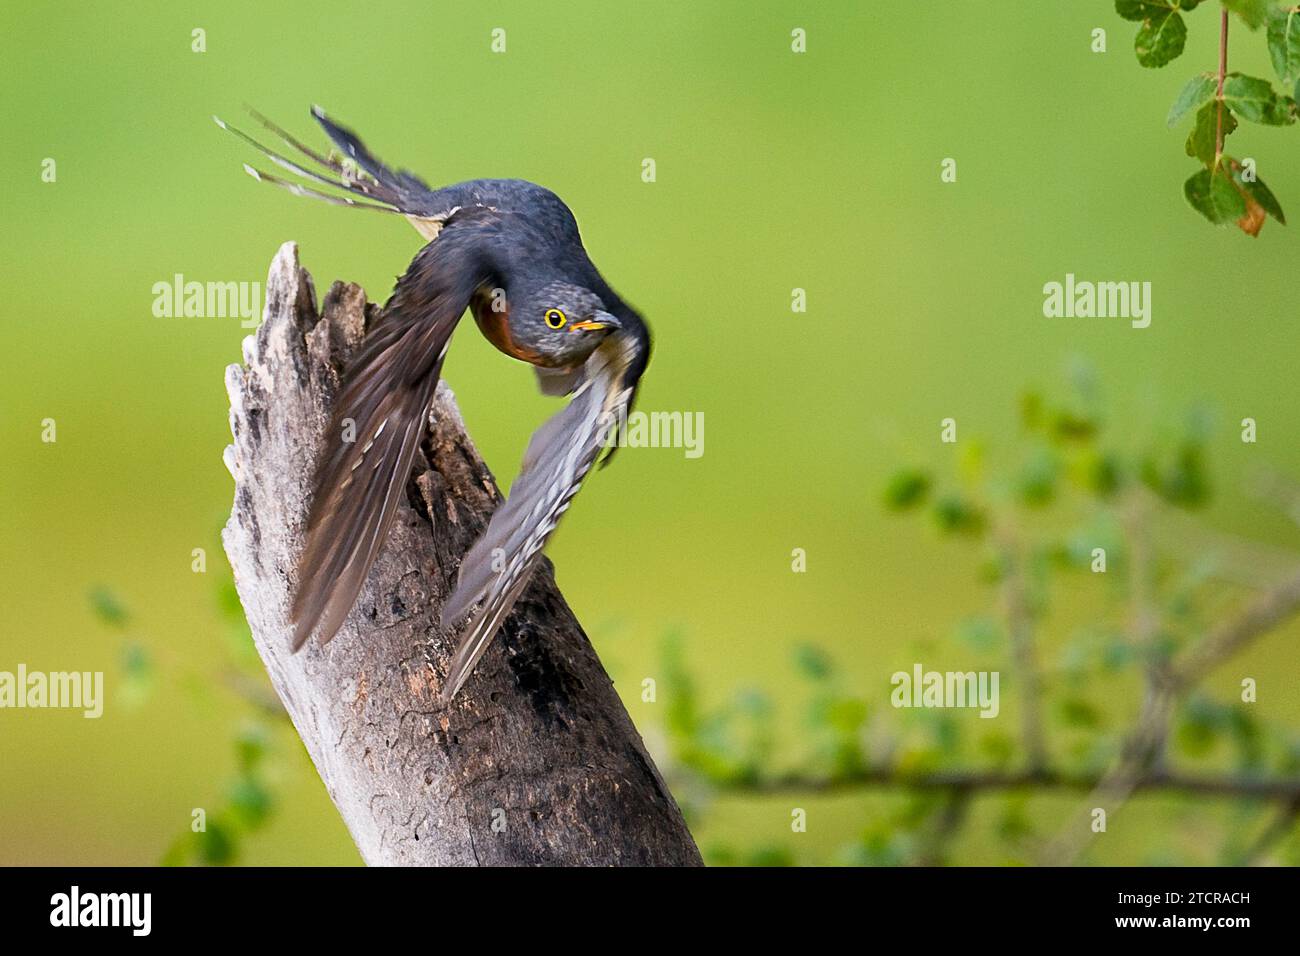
point(560, 454)
point(385, 398)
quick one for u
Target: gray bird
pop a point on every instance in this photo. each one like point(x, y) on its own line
point(509, 251)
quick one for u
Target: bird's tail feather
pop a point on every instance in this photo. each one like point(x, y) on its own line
point(399, 182)
point(360, 175)
point(298, 189)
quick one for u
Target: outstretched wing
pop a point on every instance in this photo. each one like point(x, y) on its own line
point(560, 453)
point(385, 405)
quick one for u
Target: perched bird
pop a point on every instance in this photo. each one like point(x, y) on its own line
point(509, 251)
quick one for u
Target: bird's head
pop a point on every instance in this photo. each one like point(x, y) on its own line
point(560, 323)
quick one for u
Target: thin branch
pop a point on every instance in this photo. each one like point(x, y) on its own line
point(1233, 559)
point(1163, 688)
point(1143, 749)
point(1273, 834)
point(1262, 615)
point(1280, 491)
point(1223, 72)
point(975, 781)
point(1136, 765)
point(948, 822)
point(1020, 625)
point(1149, 735)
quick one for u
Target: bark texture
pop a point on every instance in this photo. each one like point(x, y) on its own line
point(536, 761)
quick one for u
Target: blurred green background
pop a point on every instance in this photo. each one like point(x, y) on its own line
point(774, 171)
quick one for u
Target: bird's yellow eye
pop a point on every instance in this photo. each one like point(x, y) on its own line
point(555, 318)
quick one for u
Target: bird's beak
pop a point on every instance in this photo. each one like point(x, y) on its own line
point(601, 320)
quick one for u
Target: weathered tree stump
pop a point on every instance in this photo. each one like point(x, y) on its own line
point(536, 761)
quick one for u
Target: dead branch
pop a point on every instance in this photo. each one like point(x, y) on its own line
point(536, 761)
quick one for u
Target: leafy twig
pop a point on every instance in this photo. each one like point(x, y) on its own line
point(1225, 190)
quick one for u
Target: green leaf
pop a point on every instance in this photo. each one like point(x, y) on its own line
point(1284, 43)
point(250, 801)
point(1255, 100)
point(1199, 89)
point(1037, 480)
point(1145, 9)
point(1160, 39)
point(106, 606)
point(1202, 141)
point(957, 516)
point(1195, 737)
point(1101, 473)
point(217, 845)
point(1014, 823)
point(1078, 712)
point(1260, 202)
point(137, 681)
point(1072, 426)
point(1213, 195)
point(1260, 193)
point(1247, 735)
point(1031, 410)
point(769, 856)
point(998, 747)
point(1118, 654)
point(813, 662)
point(1142, 9)
point(1182, 479)
point(135, 661)
point(906, 489)
point(981, 633)
point(1253, 12)
point(251, 744)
